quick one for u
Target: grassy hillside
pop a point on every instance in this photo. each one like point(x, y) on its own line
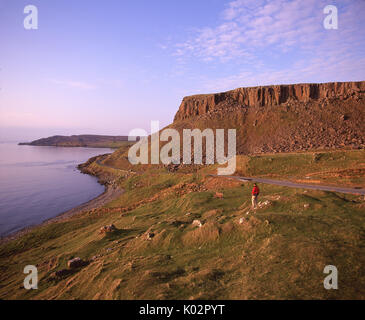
point(278, 251)
point(342, 168)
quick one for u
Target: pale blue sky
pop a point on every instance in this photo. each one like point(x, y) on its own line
point(106, 67)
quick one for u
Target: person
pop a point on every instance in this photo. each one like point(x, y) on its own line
point(255, 194)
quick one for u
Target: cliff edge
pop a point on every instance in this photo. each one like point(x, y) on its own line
point(282, 118)
point(268, 96)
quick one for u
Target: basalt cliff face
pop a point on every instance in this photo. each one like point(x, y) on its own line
point(282, 118)
point(269, 96)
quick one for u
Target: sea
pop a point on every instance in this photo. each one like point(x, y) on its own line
point(39, 183)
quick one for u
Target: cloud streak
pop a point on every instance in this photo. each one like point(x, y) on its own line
point(281, 41)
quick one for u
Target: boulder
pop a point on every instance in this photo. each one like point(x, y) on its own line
point(108, 229)
point(61, 273)
point(76, 263)
point(197, 223)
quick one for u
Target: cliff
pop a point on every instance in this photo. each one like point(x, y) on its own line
point(282, 118)
point(268, 96)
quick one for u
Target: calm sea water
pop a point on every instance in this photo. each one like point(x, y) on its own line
point(38, 183)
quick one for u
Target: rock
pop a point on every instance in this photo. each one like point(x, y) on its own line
point(263, 204)
point(76, 263)
point(218, 195)
point(150, 235)
point(61, 273)
point(265, 96)
point(108, 229)
point(315, 126)
point(95, 257)
point(197, 223)
point(175, 223)
point(242, 220)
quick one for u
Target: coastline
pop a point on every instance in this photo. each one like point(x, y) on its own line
point(70, 146)
point(110, 193)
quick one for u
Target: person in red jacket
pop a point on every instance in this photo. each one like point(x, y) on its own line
point(255, 194)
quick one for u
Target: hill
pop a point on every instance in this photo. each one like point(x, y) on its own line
point(282, 118)
point(87, 140)
point(185, 234)
point(157, 249)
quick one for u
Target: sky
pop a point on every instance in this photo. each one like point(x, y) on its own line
point(107, 67)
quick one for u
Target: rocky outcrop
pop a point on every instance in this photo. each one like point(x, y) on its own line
point(108, 229)
point(268, 96)
point(76, 263)
point(282, 118)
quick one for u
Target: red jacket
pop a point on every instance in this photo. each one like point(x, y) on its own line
point(255, 191)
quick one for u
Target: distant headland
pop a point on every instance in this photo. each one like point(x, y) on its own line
point(86, 140)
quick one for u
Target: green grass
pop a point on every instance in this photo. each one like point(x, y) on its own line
point(320, 166)
point(279, 252)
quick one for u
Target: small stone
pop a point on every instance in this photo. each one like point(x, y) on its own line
point(197, 223)
point(150, 235)
point(218, 195)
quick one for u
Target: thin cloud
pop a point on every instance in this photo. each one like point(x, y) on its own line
point(251, 33)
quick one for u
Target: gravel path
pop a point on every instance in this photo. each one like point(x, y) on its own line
point(360, 191)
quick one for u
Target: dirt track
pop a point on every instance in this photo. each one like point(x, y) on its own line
point(300, 185)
